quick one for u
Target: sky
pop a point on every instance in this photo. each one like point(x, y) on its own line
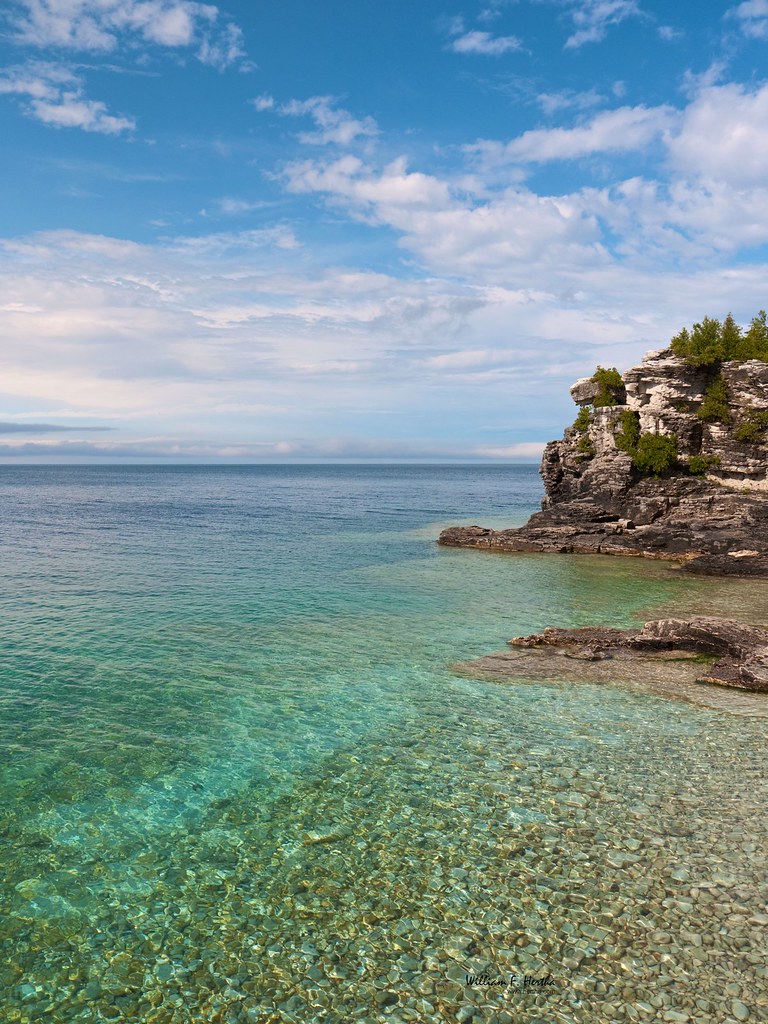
point(256, 231)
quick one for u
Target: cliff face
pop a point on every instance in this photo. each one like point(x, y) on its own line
point(709, 506)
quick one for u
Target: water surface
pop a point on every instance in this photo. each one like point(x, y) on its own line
point(242, 783)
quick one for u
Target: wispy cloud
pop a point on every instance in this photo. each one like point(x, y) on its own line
point(234, 206)
point(55, 90)
point(611, 131)
point(593, 18)
point(752, 17)
point(484, 43)
point(669, 33)
point(333, 124)
point(565, 99)
point(523, 450)
point(332, 449)
point(54, 95)
point(229, 337)
point(101, 26)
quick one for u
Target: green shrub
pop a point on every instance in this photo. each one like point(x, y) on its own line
point(585, 446)
point(753, 427)
point(583, 419)
point(754, 344)
point(629, 432)
point(702, 346)
point(656, 453)
point(610, 386)
point(711, 342)
point(715, 407)
point(699, 464)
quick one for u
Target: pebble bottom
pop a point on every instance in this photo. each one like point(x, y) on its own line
point(623, 864)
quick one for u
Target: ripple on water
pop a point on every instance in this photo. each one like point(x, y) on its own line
point(242, 783)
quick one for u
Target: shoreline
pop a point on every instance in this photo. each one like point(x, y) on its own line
point(671, 674)
point(673, 678)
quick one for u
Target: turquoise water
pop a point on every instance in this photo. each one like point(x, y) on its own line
point(242, 783)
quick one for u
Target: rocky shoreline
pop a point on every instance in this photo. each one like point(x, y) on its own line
point(706, 508)
point(741, 651)
point(671, 657)
point(668, 461)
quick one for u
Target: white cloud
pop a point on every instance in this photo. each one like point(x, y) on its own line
point(73, 111)
point(380, 194)
point(669, 34)
point(264, 102)
point(334, 125)
point(692, 221)
point(227, 336)
point(709, 204)
point(723, 135)
point(752, 16)
point(37, 79)
point(54, 95)
point(223, 49)
point(103, 25)
point(485, 43)
point(493, 10)
point(232, 206)
point(620, 130)
point(231, 242)
point(552, 102)
point(593, 18)
point(485, 239)
point(693, 83)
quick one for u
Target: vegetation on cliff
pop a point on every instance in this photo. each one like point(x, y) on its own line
point(651, 453)
point(610, 387)
point(699, 465)
point(753, 427)
point(716, 405)
point(583, 419)
point(628, 435)
point(712, 341)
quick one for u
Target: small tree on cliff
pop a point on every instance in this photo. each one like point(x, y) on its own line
point(610, 387)
point(711, 342)
point(701, 346)
point(656, 453)
point(716, 408)
point(754, 344)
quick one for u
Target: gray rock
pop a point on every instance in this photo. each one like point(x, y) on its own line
point(742, 650)
point(597, 502)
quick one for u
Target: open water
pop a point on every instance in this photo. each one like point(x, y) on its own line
point(242, 783)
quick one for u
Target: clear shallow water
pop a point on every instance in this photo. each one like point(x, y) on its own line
point(242, 783)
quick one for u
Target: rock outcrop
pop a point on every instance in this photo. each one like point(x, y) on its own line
point(707, 508)
point(741, 651)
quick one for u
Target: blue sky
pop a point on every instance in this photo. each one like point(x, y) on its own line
point(349, 229)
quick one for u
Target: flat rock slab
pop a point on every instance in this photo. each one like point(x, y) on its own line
point(667, 656)
point(614, 538)
point(668, 674)
point(741, 649)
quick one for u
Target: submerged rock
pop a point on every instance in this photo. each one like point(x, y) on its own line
point(708, 508)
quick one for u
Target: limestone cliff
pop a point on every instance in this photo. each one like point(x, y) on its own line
point(615, 486)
